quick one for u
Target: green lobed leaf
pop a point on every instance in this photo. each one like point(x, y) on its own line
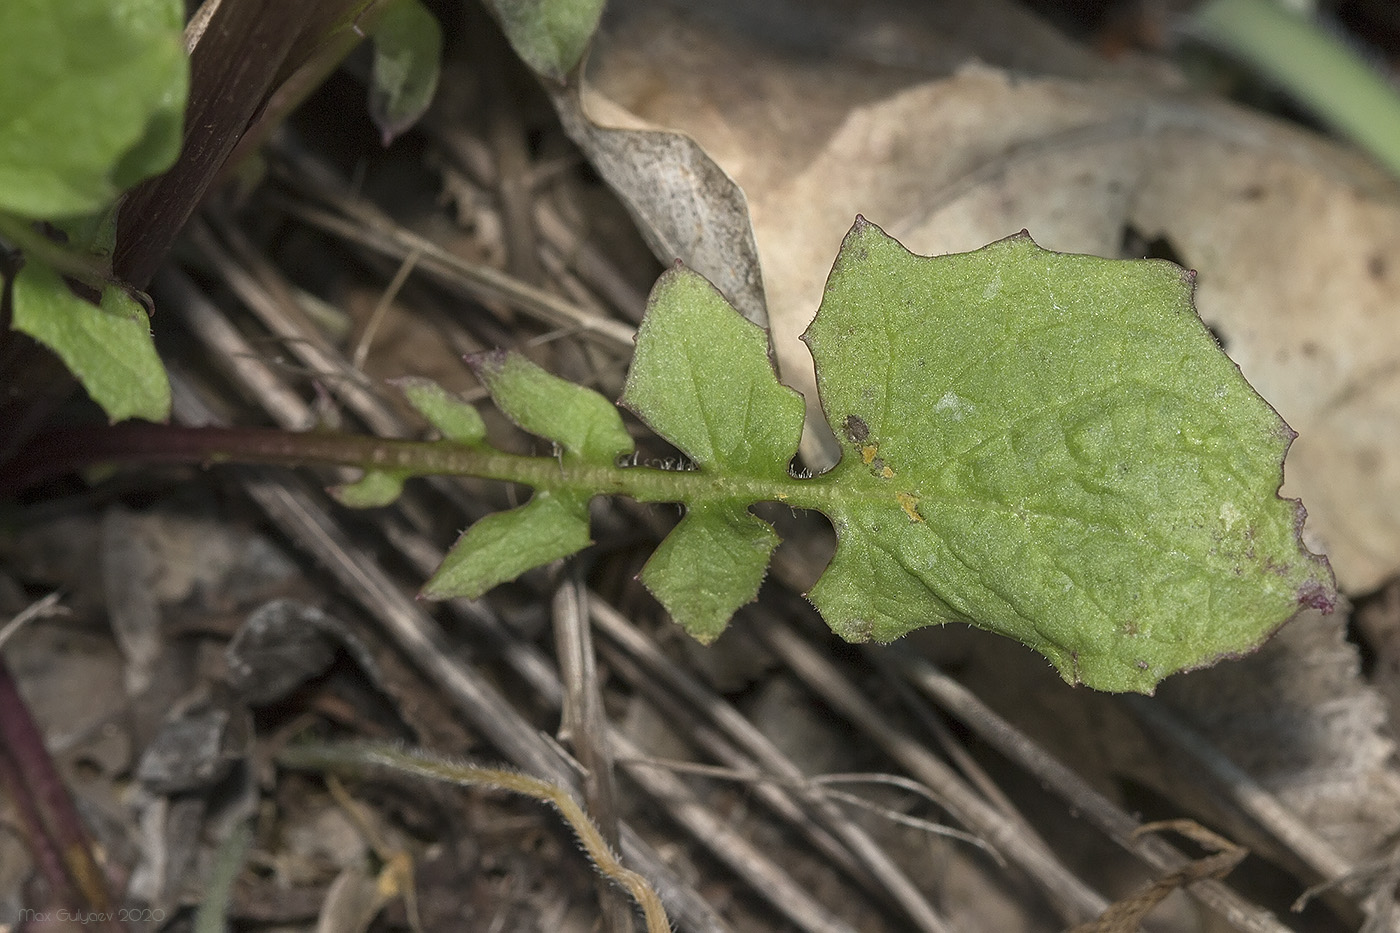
point(454, 419)
point(376, 489)
point(583, 423)
point(92, 95)
point(701, 378)
point(108, 348)
point(407, 56)
point(549, 35)
point(503, 545)
point(710, 564)
point(1052, 447)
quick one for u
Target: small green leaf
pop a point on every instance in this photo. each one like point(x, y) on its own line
point(503, 545)
point(404, 76)
point(92, 95)
point(709, 565)
point(454, 419)
point(701, 378)
point(582, 422)
point(108, 348)
point(376, 489)
point(550, 35)
point(1052, 447)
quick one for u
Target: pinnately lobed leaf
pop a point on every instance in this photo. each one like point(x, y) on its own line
point(1051, 447)
point(1043, 445)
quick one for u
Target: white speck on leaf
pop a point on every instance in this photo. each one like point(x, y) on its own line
point(953, 405)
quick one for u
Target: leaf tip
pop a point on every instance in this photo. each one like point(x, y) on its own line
point(1319, 594)
point(487, 362)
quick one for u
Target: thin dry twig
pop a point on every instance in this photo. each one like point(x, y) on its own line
point(1157, 853)
point(1266, 809)
point(584, 727)
point(1374, 883)
point(748, 748)
point(1075, 900)
point(787, 896)
point(1127, 914)
point(45, 608)
point(588, 262)
point(709, 740)
point(360, 223)
point(262, 290)
point(821, 783)
point(381, 309)
point(955, 750)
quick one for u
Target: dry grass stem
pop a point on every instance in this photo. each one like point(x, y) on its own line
point(358, 757)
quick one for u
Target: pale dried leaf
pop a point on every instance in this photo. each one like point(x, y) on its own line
point(685, 205)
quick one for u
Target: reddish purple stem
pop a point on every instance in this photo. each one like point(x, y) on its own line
point(59, 840)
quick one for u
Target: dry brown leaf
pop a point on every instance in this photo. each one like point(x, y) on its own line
point(686, 206)
point(1291, 235)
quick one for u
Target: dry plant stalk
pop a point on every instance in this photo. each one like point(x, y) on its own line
point(363, 756)
point(1126, 916)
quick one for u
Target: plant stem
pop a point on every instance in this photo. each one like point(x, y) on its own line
point(142, 442)
point(61, 842)
point(88, 269)
point(212, 914)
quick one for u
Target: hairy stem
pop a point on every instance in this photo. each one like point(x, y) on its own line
point(359, 757)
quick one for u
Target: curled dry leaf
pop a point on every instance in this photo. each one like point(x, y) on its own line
point(686, 206)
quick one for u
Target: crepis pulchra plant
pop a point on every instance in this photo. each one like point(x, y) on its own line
point(1045, 445)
